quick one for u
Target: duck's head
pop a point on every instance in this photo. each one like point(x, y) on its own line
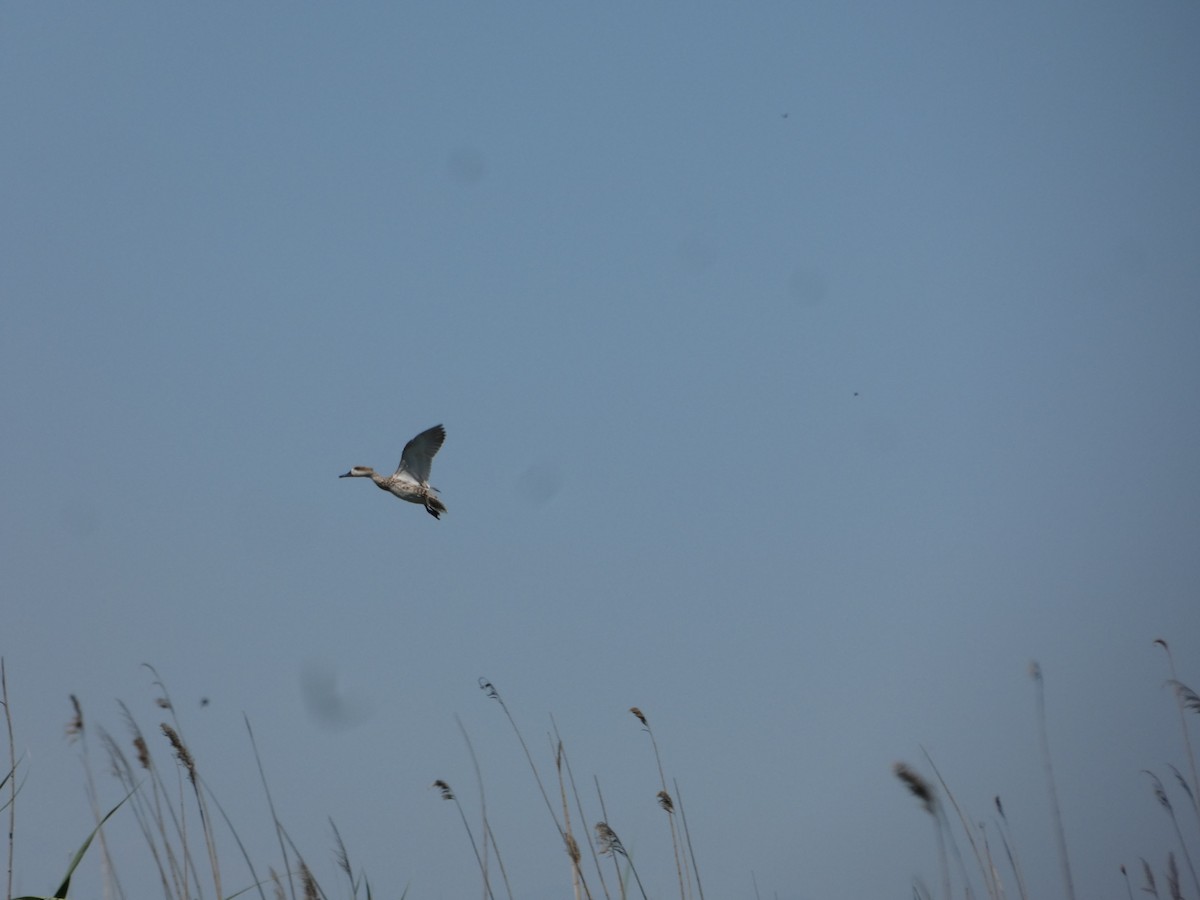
point(359, 472)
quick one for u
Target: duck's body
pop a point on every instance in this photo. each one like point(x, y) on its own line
point(410, 481)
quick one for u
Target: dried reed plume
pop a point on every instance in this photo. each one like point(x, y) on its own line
point(1173, 878)
point(608, 840)
point(1160, 794)
point(917, 786)
point(664, 800)
point(1189, 698)
point(311, 891)
point(1151, 888)
point(1187, 788)
point(143, 753)
point(1185, 699)
point(181, 752)
point(573, 849)
point(637, 712)
point(340, 854)
point(610, 845)
point(447, 793)
point(75, 725)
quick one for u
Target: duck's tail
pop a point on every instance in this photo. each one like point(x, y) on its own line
point(434, 506)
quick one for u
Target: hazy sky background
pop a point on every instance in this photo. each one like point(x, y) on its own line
point(808, 368)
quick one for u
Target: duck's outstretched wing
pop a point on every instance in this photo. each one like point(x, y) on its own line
point(417, 458)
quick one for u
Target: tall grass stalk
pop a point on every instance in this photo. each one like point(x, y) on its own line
point(1128, 886)
point(482, 800)
point(1010, 852)
point(77, 731)
point(616, 865)
point(10, 777)
point(610, 844)
point(342, 857)
point(146, 812)
point(579, 808)
point(1164, 801)
point(921, 789)
point(1148, 874)
point(985, 871)
point(1173, 877)
point(578, 882)
point(664, 798)
point(279, 833)
point(448, 794)
point(256, 882)
point(489, 837)
point(165, 816)
point(992, 876)
point(180, 865)
point(1185, 699)
point(174, 733)
point(1035, 672)
point(688, 837)
point(499, 861)
point(64, 888)
point(490, 690)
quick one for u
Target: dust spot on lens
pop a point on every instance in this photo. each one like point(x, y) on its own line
point(540, 483)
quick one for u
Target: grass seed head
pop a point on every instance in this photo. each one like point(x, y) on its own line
point(1148, 874)
point(75, 725)
point(143, 752)
point(608, 840)
point(1189, 698)
point(1160, 793)
point(488, 688)
point(917, 786)
point(182, 752)
point(572, 847)
point(665, 801)
point(311, 891)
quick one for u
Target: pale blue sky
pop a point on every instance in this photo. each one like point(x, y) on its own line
point(807, 369)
